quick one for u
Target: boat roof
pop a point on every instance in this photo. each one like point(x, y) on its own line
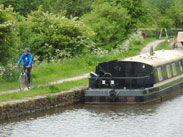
point(159, 57)
point(180, 37)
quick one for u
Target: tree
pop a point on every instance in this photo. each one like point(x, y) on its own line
point(7, 35)
point(135, 8)
point(26, 6)
point(74, 8)
point(162, 5)
point(109, 22)
point(165, 22)
point(52, 37)
point(176, 13)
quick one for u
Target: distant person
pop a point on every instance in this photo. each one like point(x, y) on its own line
point(27, 62)
point(144, 35)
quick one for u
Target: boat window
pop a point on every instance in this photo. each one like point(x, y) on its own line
point(180, 66)
point(160, 76)
point(174, 69)
point(168, 71)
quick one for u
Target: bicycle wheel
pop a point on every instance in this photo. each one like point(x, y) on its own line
point(29, 85)
point(22, 82)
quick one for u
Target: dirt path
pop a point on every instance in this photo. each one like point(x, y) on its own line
point(146, 49)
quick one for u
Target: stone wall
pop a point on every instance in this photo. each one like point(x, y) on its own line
point(18, 108)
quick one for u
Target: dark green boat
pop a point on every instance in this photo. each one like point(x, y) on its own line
point(139, 79)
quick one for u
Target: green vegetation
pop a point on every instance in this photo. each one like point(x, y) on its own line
point(26, 6)
point(72, 8)
point(53, 38)
point(168, 13)
point(7, 36)
point(47, 72)
point(164, 45)
point(109, 23)
point(69, 37)
point(50, 69)
point(43, 90)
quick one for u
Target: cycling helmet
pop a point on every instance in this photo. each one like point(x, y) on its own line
point(26, 50)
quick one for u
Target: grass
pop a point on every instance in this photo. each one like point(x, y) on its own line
point(163, 45)
point(46, 73)
point(43, 90)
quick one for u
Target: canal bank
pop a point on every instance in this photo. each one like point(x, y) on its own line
point(149, 120)
point(21, 104)
point(18, 108)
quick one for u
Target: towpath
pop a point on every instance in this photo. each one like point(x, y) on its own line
point(51, 83)
point(153, 44)
point(144, 50)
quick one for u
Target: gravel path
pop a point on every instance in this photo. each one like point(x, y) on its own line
point(146, 49)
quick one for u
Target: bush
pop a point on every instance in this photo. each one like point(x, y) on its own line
point(74, 8)
point(9, 72)
point(7, 34)
point(136, 9)
point(109, 23)
point(24, 7)
point(51, 37)
point(134, 39)
point(125, 46)
point(165, 22)
point(27, 37)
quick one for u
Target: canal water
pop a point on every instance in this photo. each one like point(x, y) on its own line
point(152, 120)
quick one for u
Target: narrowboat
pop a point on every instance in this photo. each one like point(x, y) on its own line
point(154, 76)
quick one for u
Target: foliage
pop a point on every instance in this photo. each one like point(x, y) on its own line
point(45, 72)
point(165, 22)
point(176, 13)
point(7, 35)
point(51, 37)
point(162, 5)
point(171, 13)
point(26, 6)
point(136, 10)
point(109, 23)
point(100, 30)
point(9, 72)
point(72, 8)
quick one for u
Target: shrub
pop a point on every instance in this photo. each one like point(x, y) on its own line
point(74, 8)
point(109, 23)
point(51, 37)
point(124, 46)
point(7, 34)
point(9, 72)
point(165, 22)
point(134, 39)
point(26, 6)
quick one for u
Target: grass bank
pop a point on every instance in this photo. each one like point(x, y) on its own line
point(164, 45)
point(48, 72)
point(43, 90)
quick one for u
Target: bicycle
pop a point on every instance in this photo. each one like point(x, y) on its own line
point(23, 80)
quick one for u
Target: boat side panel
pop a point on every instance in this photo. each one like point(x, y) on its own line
point(162, 94)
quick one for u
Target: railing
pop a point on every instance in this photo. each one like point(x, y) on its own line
point(93, 81)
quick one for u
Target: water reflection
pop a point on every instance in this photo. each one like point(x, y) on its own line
point(153, 120)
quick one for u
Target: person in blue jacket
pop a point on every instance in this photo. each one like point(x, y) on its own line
point(27, 62)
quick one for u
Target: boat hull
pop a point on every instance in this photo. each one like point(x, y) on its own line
point(136, 96)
